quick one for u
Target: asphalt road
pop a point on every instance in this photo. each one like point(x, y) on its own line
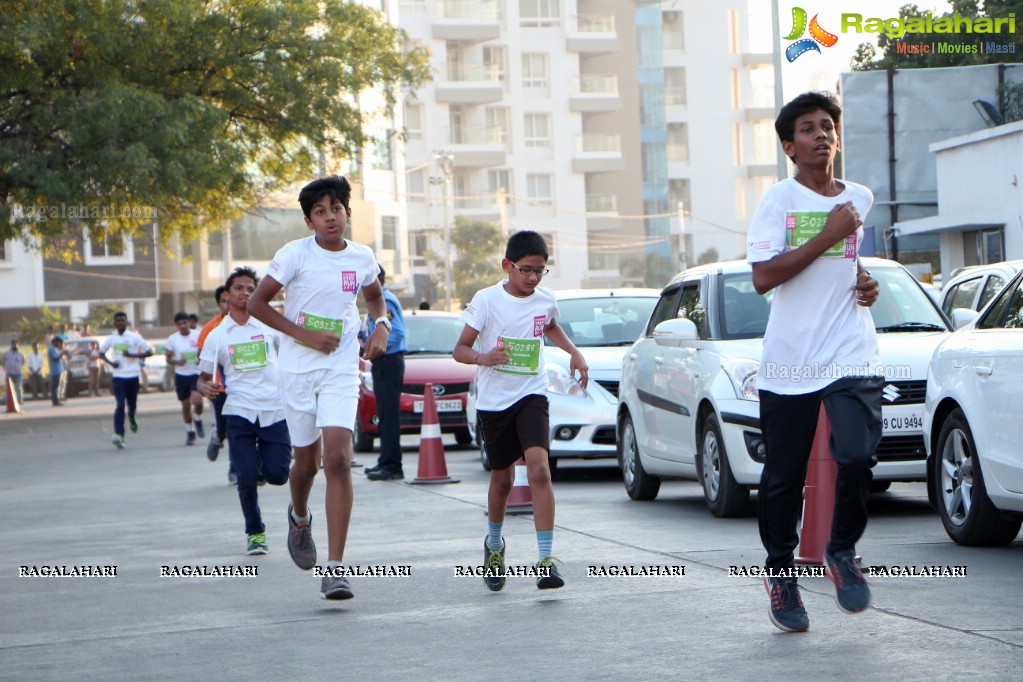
point(67, 498)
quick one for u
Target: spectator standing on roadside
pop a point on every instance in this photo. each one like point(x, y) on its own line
point(388, 377)
point(35, 372)
point(93, 365)
point(56, 355)
point(318, 370)
point(182, 352)
point(129, 349)
point(803, 244)
point(14, 369)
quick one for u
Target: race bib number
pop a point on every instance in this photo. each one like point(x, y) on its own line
point(190, 356)
point(248, 355)
point(122, 347)
point(319, 324)
point(523, 356)
point(802, 226)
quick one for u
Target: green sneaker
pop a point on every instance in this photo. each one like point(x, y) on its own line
point(493, 563)
point(257, 544)
point(133, 425)
point(553, 579)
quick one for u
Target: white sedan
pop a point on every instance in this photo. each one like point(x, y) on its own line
point(972, 418)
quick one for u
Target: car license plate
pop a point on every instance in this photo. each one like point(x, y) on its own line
point(902, 423)
point(442, 405)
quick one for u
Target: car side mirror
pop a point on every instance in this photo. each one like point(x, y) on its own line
point(963, 316)
point(674, 332)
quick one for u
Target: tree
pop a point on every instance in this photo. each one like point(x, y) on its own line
point(711, 255)
point(864, 59)
point(477, 250)
point(116, 112)
point(39, 329)
point(654, 269)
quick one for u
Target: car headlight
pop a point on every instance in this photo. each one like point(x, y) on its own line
point(743, 373)
point(366, 379)
point(560, 381)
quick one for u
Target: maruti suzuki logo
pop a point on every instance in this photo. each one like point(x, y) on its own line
point(804, 45)
point(890, 393)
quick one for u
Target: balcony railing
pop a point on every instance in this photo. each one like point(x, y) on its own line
point(595, 84)
point(598, 143)
point(592, 23)
point(601, 203)
point(474, 73)
point(469, 9)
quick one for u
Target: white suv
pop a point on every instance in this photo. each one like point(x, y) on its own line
point(689, 406)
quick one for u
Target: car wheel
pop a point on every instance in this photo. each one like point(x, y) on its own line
point(463, 437)
point(880, 486)
point(965, 509)
point(724, 496)
point(361, 441)
point(638, 483)
point(484, 457)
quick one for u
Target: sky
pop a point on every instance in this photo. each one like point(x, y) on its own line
point(820, 71)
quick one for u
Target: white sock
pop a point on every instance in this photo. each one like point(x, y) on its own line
point(301, 519)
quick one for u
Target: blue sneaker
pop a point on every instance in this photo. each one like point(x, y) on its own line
point(851, 590)
point(787, 612)
point(493, 562)
point(199, 429)
point(553, 579)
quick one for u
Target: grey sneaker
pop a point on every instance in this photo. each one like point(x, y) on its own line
point(118, 441)
point(851, 590)
point(787, 612)
point(301, 545)
point(335, 587)
point(213, 448)
point(232, 478)
point(493, 562)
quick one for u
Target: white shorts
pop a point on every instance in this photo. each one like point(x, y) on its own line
point(317, 399)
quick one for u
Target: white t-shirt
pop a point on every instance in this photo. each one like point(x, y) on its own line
point(518, 324)
point(249, 357)
point(186, 347)
point(131, 342)
point(320, 289)
point(816, 333)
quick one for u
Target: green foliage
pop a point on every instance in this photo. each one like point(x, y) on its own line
point(477, 248)
point(101, 316)
point(115, 112)
point(653, 269)
point(1012, 96)
point(711, 255)
point(864, 59)
point(38, 330)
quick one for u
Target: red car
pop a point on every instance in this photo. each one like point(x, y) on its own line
point(430, 337)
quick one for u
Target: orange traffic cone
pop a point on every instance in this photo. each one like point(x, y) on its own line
point(520, 500)
point(432, 467)
point(818, 496)
point(12, 399)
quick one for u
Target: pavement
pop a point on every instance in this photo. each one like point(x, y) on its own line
point(68, 498)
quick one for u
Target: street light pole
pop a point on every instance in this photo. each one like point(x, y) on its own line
point(446, 162)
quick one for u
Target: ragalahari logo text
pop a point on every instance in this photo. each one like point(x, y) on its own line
point(804, 45)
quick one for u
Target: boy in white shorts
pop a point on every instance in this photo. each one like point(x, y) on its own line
point(318, 371)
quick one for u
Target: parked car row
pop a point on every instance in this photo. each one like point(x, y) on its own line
point(155, 372)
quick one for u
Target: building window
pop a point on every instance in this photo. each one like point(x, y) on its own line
point(499, 119)
point(549, 238)
point(981, 247)
point(388, 232)
point(414, 185)
point(496, 58)
point(675, 86)
point(113, 249)
point(5, 252)
point(414, 121)
point(383, 156)
point(673, 36)
point(539, 13)
point(679, 191)
point(540, 188)
point(538, 130)
point(534, 70)
point(498, 180)
point(678, 142)
point(419, 247)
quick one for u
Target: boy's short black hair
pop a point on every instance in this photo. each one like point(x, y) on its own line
point(120, 313)
point(219, 292)
point(335, 186)
point(525, 243)
point(241, 271)
point(785, 124)
point(193, 316)
point(180, 316)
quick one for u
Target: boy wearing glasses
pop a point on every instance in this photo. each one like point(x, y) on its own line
point(510, 320)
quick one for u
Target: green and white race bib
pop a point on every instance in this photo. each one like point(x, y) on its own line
point(320, 324)
point(802, 226)
point(122, 347)
point(247, 355)
point(523, 356)
point(190, 356)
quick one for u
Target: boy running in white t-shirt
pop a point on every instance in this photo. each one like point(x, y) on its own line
point(182, 352)
point(256, 429)
point(318, 369)
point(510, 320)
point(803, 244)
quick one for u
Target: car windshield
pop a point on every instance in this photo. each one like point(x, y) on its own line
point(604, 320)
point(428, 334)
point(902, 306)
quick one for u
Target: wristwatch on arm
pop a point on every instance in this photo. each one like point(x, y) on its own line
point(382, 320)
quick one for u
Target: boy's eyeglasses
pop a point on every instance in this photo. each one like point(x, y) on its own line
point(539, 272)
